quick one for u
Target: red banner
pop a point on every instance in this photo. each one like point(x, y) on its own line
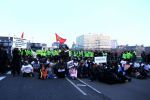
point(60, 39)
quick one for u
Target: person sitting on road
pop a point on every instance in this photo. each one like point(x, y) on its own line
point(81, 70)
point(61, 70)
point(36, 65)
point(122, 73)
point(43, 72)
point(147, 67)
point(73, 72)
point(94, 72)
point(27, 69)
point(50, 72)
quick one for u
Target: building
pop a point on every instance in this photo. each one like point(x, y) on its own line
point(74, 46)
point(55, 45)
point(93, 42)
point(36, 46)
point(6, 42)
point(114, 44)
point(147, 49)
point(137, 48)
point(9, 43)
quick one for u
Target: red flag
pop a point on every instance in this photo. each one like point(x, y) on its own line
point(60, 39)
point(22, 35)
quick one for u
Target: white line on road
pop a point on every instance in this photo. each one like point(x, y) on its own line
point(76, 87)
point(90, 86)
point(81, 85)
point(2, 77)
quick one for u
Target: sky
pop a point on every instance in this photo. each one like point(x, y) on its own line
point(127, 21)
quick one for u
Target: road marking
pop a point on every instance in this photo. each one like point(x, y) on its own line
point(81, 85)
point(76, 87)
point(90, 86)
point(2, 77)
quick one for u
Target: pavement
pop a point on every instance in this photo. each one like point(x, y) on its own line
point(27, 88)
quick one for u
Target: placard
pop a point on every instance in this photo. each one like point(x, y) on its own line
point(101, 59)
point(19, 43)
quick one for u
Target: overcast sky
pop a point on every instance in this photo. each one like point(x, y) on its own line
point(128, 21)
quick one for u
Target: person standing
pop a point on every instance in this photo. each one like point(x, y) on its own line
point(16, 62)
point(3, 60)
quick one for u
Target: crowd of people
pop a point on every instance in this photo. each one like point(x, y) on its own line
point(60, 63)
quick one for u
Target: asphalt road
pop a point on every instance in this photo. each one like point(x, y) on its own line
point(135, 90)
point(19, 88)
